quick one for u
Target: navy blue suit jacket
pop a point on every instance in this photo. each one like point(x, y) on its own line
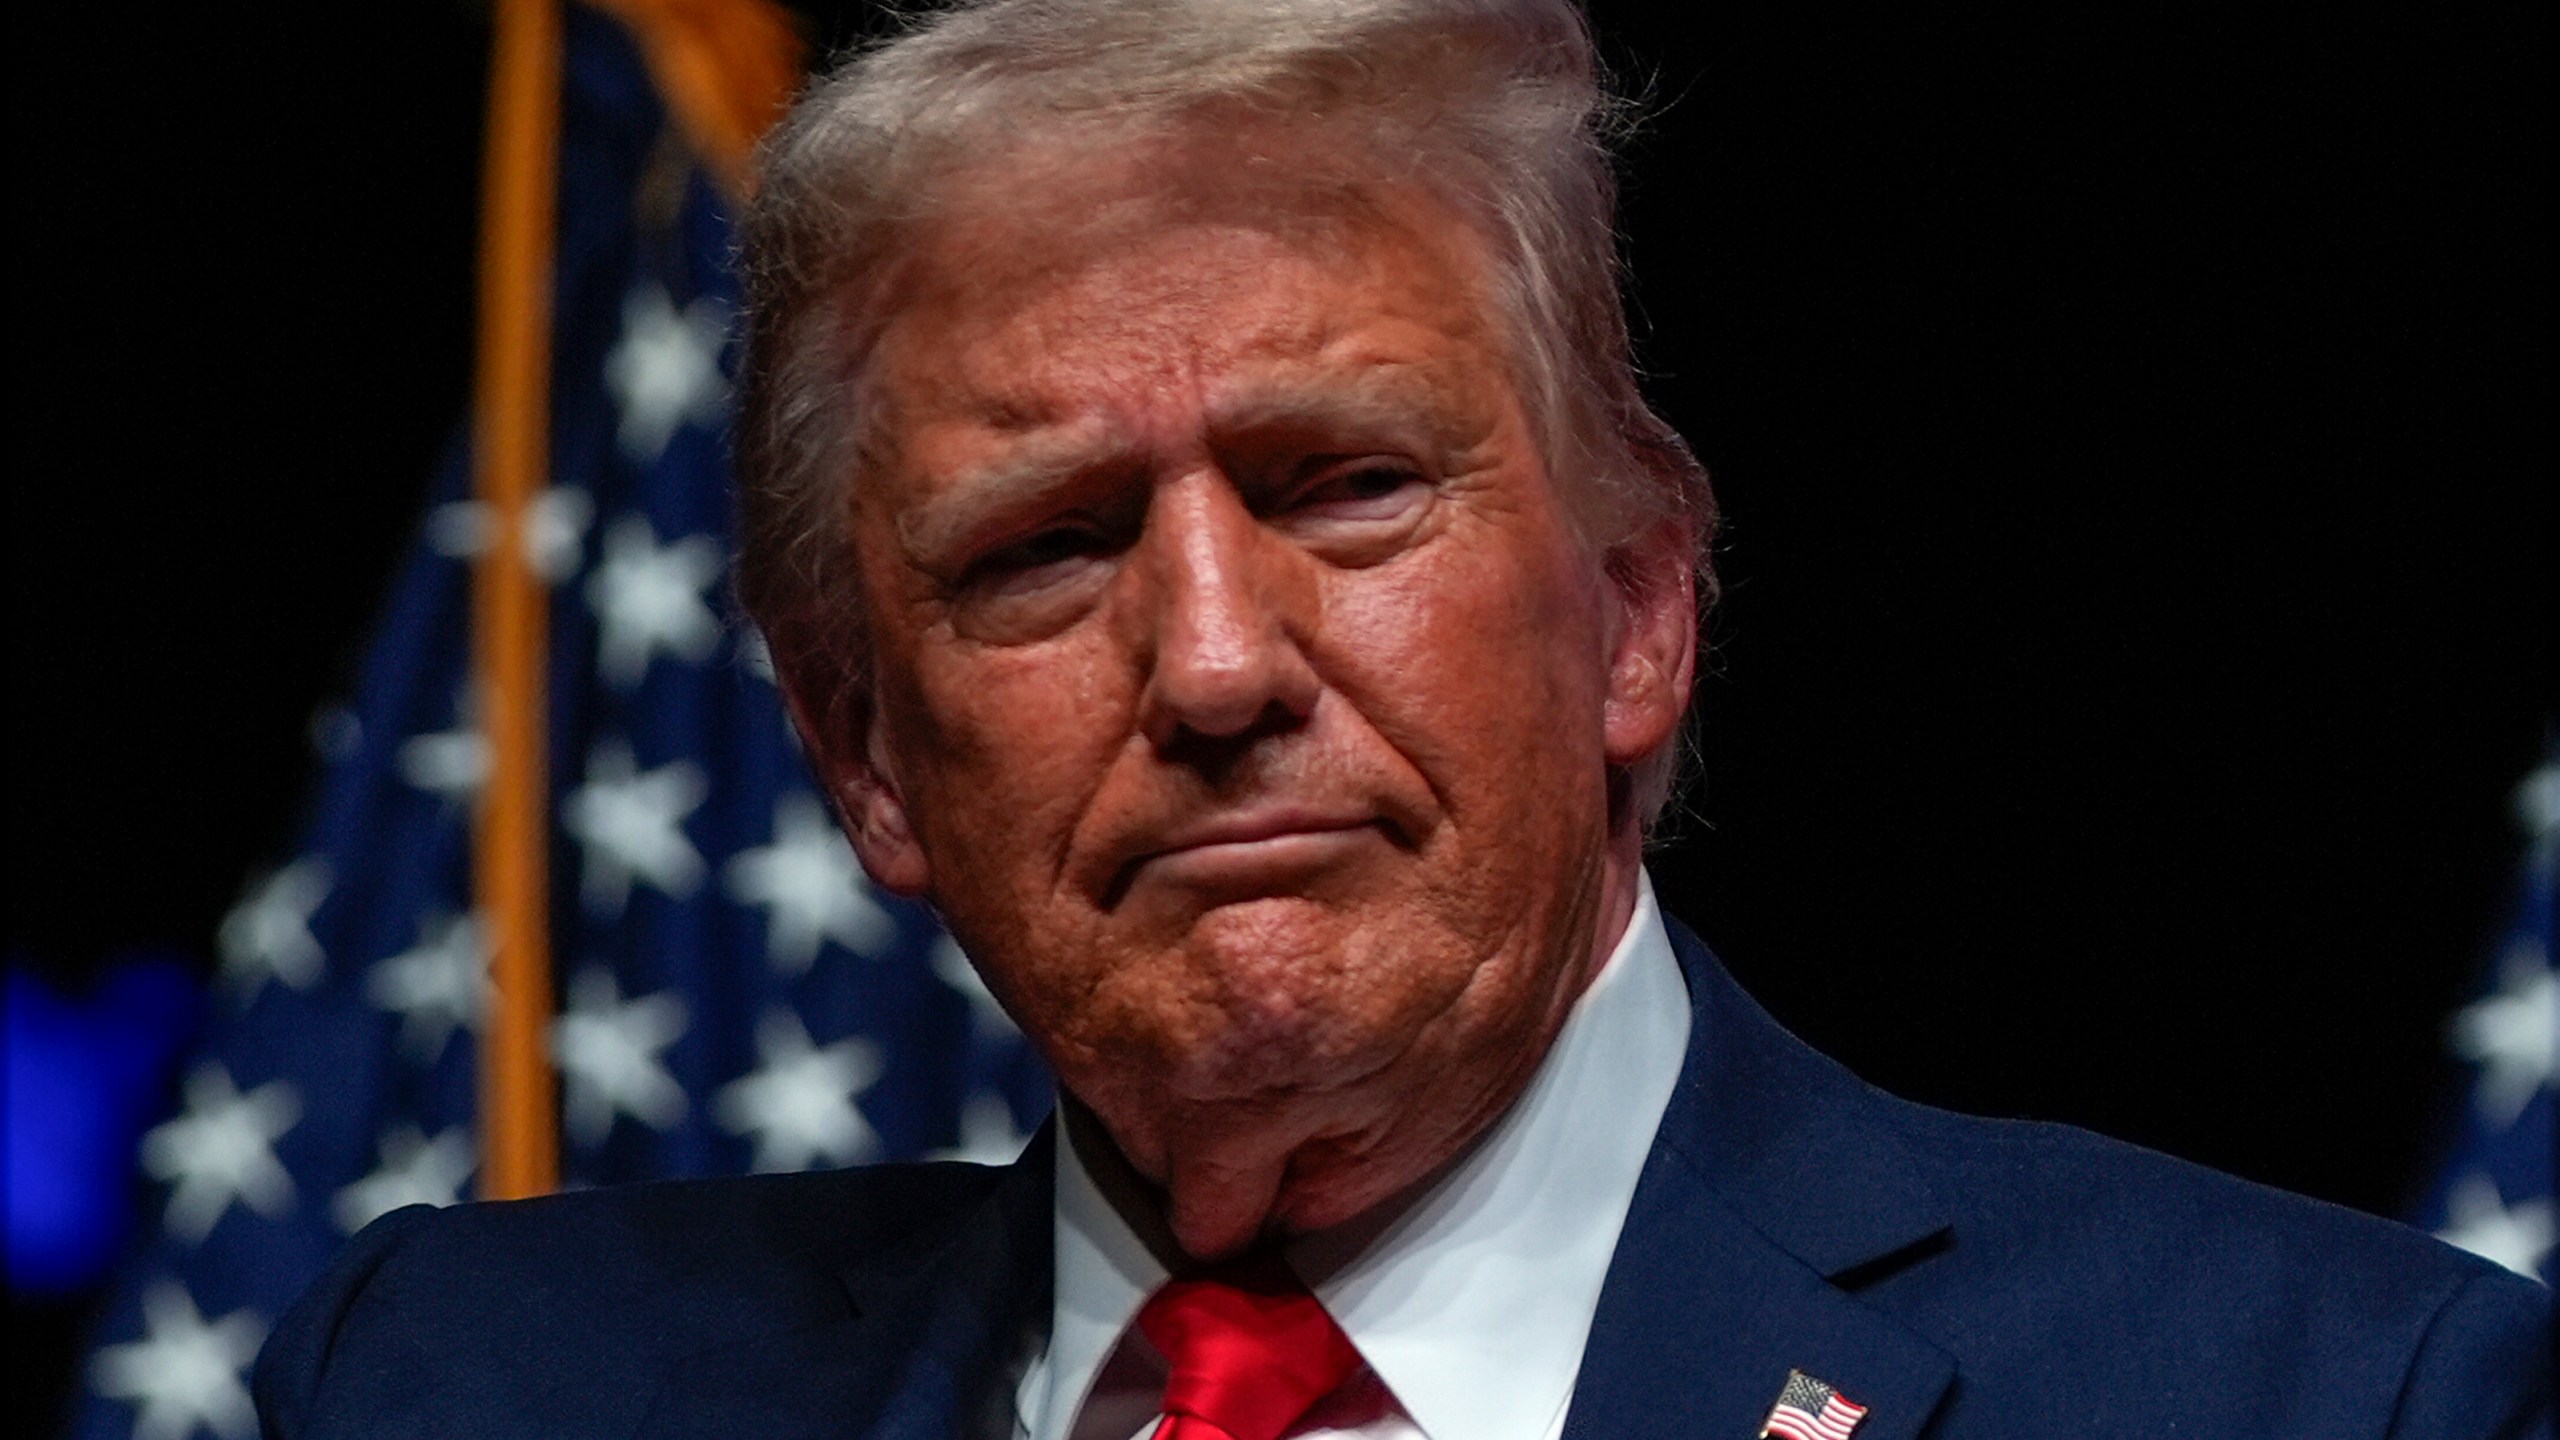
point(1959, 1277)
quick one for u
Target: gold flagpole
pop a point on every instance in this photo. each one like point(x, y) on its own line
point(727, 67)
point(519, 1138)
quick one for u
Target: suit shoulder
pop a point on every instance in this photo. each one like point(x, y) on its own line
point(543, 1311)
point(2192, 1283)
point(2037, 1183)
point(593, 1247)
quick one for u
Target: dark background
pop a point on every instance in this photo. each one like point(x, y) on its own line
point(2132, 425)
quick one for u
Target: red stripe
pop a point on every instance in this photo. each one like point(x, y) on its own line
point(1791, 1423)
point(1838, 1418)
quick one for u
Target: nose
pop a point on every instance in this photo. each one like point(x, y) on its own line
point(1225, 617)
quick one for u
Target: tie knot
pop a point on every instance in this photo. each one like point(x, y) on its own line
point(1251, 1351)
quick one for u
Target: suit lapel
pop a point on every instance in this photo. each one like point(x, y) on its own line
point(1774, 1176)
point(941, 1332)
point(921, 1349)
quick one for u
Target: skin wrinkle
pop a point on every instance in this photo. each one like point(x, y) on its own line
point(1279, 1034)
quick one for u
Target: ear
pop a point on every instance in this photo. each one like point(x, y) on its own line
point(844, 750)
point(1654, 645)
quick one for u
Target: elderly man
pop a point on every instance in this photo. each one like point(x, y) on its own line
point(1215, 552)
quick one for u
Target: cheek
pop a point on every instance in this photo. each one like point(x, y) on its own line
point(998, 749)
point(1000, 752)
point(1484, 667)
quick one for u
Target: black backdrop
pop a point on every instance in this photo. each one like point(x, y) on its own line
point(2132, 423)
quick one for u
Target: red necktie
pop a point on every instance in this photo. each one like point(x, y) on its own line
point(1251, 1352)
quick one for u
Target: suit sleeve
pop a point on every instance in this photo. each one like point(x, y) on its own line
point(294, 1364)
point(2483, 1369)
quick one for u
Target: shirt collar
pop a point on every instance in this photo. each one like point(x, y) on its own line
point(1474, 1301)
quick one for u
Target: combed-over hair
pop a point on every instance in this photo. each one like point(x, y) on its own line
point(1494, 108)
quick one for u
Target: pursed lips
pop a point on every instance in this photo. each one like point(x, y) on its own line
point(1261, 843)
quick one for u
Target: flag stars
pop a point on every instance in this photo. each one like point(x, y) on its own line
point(555, 530)
point(2479, 1220)
point(608, 1049)
point(269, 932)
point(810, 887)
point(988, 1134)
point(664, 371)
point(632, 827)
point(2511, 1035)
point(799, 1103)
point(450, 763)
point(437, 986)
point(414, 1171)
point(2537, 802)
point(648, 599)
point(185, 1373)
point(222, 1150)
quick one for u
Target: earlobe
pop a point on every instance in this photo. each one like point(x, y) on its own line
point(883, 839)
point(865, 797)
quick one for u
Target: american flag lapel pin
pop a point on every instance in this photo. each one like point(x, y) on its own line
point(1809, 1409)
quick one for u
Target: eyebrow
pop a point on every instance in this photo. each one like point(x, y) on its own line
point(1391, 400)
point(1392, 403)
point(1031, 471)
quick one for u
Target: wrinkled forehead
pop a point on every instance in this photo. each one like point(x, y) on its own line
point(1028, 214)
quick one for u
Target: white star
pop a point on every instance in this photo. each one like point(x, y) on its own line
point(648, 598)
point(2538, 801)
point(555, 529)
point(2479, 1221)
point(951, 964)
point(269, 931)
point(811, 887)
point(451, 763)
point(988, 1135)
point(414, 1171)
point(608, 1051)
point(185, 1372)
point(220, 1151)
point(438, 984)
point(799, 1102)
point(665, 370)
point(2511, 1035)
point(632, 826)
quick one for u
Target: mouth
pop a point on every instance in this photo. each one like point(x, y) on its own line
point(1259, 851)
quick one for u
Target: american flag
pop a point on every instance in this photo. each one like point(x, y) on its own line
point(734, 996)
point(2492, 1194)
point(1808, 1409)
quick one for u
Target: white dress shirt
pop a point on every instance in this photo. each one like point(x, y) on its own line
point(1471, 1303)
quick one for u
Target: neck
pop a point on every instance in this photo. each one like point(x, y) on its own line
point(1621, 877)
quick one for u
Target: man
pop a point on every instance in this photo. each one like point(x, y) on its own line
point(1215, 551)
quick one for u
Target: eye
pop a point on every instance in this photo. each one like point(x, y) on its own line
point(1363, 490)
point(1044, 548)
point(1034, 562)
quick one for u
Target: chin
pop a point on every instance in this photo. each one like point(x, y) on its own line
point(1335, 1195)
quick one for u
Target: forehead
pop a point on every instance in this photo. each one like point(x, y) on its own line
point(1211, 273)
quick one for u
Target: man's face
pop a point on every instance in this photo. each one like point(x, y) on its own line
point(1244, 698)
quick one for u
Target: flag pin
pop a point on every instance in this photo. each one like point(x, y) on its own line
point(1810, 1409)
